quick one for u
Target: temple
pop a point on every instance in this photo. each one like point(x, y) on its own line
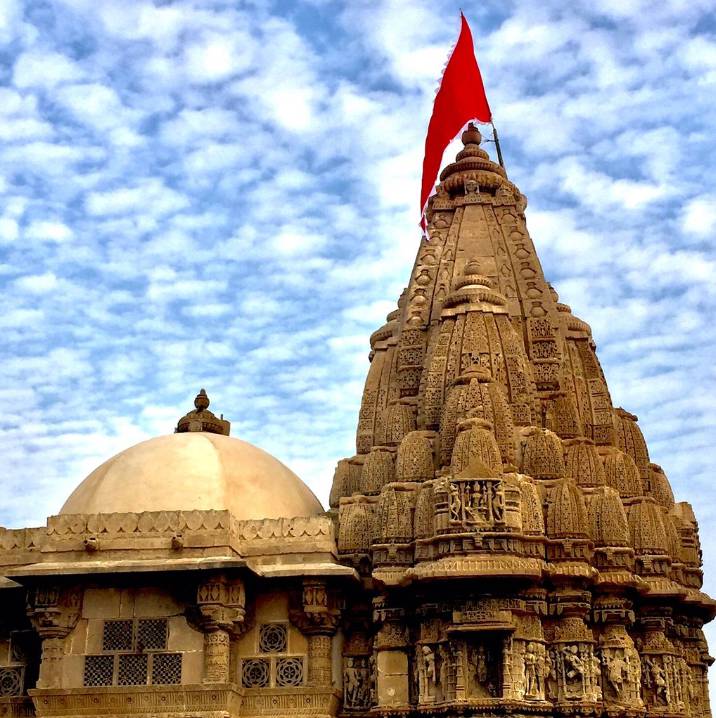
point(500, 543)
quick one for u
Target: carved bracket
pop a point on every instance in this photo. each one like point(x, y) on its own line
point(221, 605)
point(317, 610)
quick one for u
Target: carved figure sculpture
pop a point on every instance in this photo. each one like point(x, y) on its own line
point(656, 680)
point(356, 684)
point(429, 673)
point(573, 670)
point(617, 671)
point(531, 659)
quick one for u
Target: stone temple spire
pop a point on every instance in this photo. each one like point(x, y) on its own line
point(518, 546)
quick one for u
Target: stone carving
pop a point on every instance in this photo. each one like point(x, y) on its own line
point(356, 683)
point(221, 604)
point(355, 525)
point(476, 503)
point(428, 674)
point(536, 669)
point(541, 454)
point(54, 610)
point(655, 680)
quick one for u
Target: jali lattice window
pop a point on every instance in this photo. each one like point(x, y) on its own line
point(14, 677)
point(146, 634)
point(118, 636)
point(289, 672)
point(12, 681)
point(134, 655)
point(273, 638)
point(133, 669)
point(99, 670)
point(255, 673)
point(166, 669)
point(273, 667)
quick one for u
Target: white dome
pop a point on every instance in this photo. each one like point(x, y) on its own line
point(194, 470)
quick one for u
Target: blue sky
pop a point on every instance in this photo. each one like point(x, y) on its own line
point(224, 194)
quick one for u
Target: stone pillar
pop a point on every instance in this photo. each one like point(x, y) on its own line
point(391, 644)
point(54, 611)
point(663, 689)
point(319, 659)
point(53, 653)
point(316, 616)
point(575, 675)
point(217, 644)
point(221, 604)
point(621, 669)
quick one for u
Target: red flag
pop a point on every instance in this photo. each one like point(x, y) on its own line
point(461, 98)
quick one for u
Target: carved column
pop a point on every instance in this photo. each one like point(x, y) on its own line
point(575, 673)
point(54, 612)
point(391, 644)
point(621, 670)
point(221, 603)
point(316, 615)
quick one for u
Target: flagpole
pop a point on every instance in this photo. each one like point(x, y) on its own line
point(497, 145)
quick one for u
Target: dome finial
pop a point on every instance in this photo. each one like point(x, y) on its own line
point(201, 401)
point(201, 419)
point(471, 136)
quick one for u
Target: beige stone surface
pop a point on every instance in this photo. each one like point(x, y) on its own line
point(392, 679)
point(194, 470)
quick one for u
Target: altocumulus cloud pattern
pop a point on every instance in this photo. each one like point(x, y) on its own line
point(224, 194)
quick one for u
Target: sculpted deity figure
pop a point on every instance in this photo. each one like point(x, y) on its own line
point(481, 665)
point(471, 187)
point(551, 669)
point(531, 670)
point(356, 683)
point(596, 676)
point(455, 503)
point(656, 675)
point(573, 669)
point(574, 666)
point(497, 501)
point(543, 669)
point(469, 503)
point(429, 672)
point(617, 671)
point(350, 676)
point(691, 684)
point(445, 654)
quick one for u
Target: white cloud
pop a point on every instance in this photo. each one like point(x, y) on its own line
point(9, 229)
point(150, 194)
point(37, 283)
point(48, 231)
point(44, 69)
point(96, 105)
point(293, 241)
point(216, 58)
point(11, 24)
point(699, 216)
